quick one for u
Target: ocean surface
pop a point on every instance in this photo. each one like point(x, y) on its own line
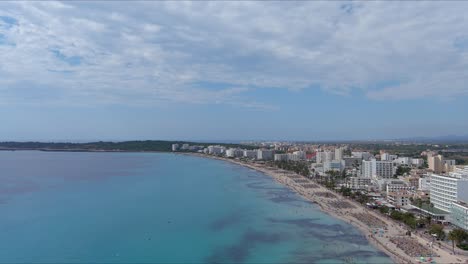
point(160, 208)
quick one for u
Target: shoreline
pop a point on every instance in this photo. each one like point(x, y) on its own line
point(336, 206)
point(348, 215)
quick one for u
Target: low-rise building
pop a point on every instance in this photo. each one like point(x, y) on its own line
point(388, 157)
point(417, 162)
point(358, 183)
point(175, 147)
point(335, 165)
point(399, 199)
point(424, 184)
point(398, 186)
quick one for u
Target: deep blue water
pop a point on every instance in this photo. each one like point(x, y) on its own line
point(151, 207)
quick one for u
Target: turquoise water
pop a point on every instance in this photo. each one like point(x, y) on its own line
point(151, 207)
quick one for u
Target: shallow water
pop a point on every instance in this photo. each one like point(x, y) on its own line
point(157, 207)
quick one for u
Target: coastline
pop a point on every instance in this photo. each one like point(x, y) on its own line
point(331, 206)
point(334, 205)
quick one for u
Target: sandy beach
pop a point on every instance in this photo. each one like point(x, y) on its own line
point(383, 232)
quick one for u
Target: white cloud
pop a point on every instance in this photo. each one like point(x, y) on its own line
point(153, 52)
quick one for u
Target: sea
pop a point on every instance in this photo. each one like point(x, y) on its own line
point(88, 207)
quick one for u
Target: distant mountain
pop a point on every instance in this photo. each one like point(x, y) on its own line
point(438, 139)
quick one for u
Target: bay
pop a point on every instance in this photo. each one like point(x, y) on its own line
point(86, 207)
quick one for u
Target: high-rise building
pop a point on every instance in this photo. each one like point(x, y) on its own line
point(325, 156)
point(250, 154)
point(377, 169)
point(281, 157)
point(265, 154)
point(175, 147)
point(446, 189)
point(436, 163)
point(338, 153)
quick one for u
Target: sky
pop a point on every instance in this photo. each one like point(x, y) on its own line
point(102, 70)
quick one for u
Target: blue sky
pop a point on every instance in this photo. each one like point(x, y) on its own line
point(232, 70)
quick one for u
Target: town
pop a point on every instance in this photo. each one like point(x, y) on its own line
point(425, 192)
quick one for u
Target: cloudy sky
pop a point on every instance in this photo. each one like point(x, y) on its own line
point(232, 70)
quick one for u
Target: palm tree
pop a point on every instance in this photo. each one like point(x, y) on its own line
point(457, 235)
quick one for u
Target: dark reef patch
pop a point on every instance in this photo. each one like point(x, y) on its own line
point(226, 221)
point(239, 252)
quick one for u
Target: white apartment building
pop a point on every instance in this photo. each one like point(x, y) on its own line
point(300, 154)
point(358, 183)
point(250, 154)
point(215, 150)
point(185, 146)
point(398, 186)
point(459, 214)
point(377, 169)
point(446, 189)
point(234, 153)
point(417, 162)
point(324, 156)
point(424, 184)
point(265, 154)
point(398, 199)
point(175, 147)
point(281, 157)
point(403, 161)
point(388, 157)
point(366, 169)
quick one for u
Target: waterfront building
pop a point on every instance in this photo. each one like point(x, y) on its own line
point(398, 199)
point(175, 147)
point(234, 153)
point(358, 183)
point(185, 146)
point(250, 154)
point(281, 157)
point(265, 154)
point(446, 189)
point(459, 214)
point(215, 150)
